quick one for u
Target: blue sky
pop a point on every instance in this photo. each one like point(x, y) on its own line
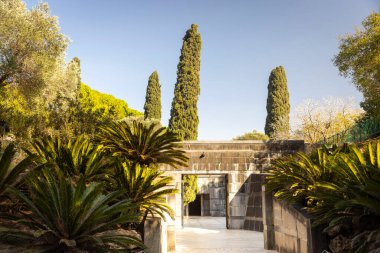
point(120, 43)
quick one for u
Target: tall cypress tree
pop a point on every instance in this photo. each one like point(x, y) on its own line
point(184, 112)
point(278, 106)
point(152, 106)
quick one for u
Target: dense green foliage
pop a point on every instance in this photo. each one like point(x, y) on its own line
point(81, 195)
point(96, 108)
point(10, 173)
point(184, 112)
point(75, 158)
point(190, 183)
point(340, 187)
point(358, 58)
point(278, 106)
point(147, 188)
point(254, 135)
point(52, 112)
point(65, 217)
point(152, 106)
point(63, 117)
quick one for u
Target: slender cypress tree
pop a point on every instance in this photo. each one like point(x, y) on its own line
point(184, 112)
point(278, 106)
point(152, 106)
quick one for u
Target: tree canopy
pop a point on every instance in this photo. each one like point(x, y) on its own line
point(317, 120)
point(359, 59)
point(64, 116)
point(32, 47)
point(254, 135)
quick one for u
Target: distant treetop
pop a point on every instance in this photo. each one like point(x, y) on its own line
point(254, 135)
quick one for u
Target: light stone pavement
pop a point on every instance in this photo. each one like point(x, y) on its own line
point(209, 234)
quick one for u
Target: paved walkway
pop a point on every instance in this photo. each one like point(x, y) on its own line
point(209, 234)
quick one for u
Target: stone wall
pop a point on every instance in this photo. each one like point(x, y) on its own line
point(288, 230)
point(254, 215)
point(215, 187)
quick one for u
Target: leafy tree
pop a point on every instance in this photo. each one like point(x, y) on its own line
point(63, 110)
point(152, 106)
point(254, 135)
point(278, 106)
point(61, 216)
point(64, 117)
point(358, 59)
point(317, 120)
point(96, 109)
point(184, 112)
point(41, 94)
point(31, 46)
point(49, 113)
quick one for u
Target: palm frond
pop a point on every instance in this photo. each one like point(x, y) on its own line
point(62, 216)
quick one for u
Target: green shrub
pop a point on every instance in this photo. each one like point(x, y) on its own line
point(61, 216)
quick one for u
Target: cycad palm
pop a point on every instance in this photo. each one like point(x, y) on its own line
point(356, 190)
point(74, 158)
point(340, 188)
point(147, 188)
point(294, 178)
point(141, 149)
point(64, 217)
point(10, 174)
point(143, 144)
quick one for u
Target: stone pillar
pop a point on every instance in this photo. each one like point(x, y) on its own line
point(175, 202)
point(171, 236)
point(155, 235)
point(237, 199)
point(268, 219)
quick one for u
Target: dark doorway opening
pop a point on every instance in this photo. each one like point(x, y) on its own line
point(195, 207)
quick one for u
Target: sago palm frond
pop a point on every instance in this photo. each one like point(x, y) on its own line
point(143, 144)
point(74, 158)
point(11, 174)
point(64, 217)
point(147, 188)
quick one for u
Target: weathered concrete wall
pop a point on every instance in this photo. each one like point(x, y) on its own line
point(289, 230)
point(230, 156)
